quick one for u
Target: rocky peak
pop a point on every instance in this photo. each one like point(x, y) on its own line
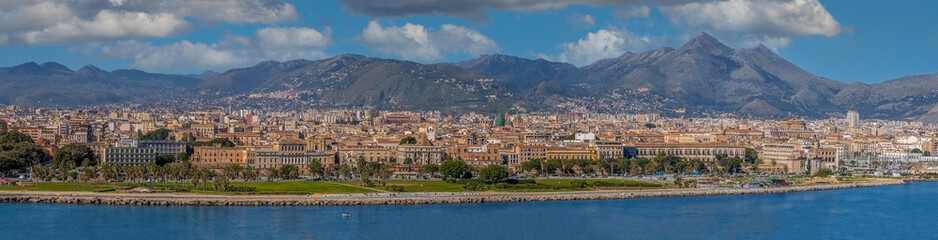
point(706, 43)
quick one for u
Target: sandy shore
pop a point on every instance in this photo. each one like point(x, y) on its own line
point(169, 199)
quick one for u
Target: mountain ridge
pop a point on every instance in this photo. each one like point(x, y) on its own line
point(703, 76)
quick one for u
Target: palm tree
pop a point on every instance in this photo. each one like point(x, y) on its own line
point(88, 173)
point(249, 173)
point(205, 175)
point(272, 173)
point(232, 171)
point(150, 172)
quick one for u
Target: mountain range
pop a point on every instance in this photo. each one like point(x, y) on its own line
point(701, 78)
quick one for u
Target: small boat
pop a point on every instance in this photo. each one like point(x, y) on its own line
point(345, 215)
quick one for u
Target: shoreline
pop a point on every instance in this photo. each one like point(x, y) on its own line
point(170, 199)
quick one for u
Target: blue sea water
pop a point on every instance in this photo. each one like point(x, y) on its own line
point(894, 212)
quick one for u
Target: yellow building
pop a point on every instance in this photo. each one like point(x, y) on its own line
point(219, 157)
point(567, 153)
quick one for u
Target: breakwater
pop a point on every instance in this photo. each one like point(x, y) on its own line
point(163, 199)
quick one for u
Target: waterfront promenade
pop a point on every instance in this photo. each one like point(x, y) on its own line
point(172, 199)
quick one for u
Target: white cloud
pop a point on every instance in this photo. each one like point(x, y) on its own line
point(605, 43)
point(107, 26)
point(748, 22)
point(738, 22)
point(415, 42)
point(291, 38)
point(452, 38)
point(239, 11)
point(634, 12)
point(186, 55)
point(588, 20)
point(584, 21)
point(57, 22)
point(31, 17)
point(235, 51)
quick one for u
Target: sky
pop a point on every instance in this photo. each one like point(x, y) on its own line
point(857, 40)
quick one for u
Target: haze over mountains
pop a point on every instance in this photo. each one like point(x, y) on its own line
point(704, 77)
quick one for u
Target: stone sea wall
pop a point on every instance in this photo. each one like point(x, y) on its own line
point(155, 199)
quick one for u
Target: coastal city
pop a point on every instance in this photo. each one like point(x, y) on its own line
point(411, 145)
point(468, 119)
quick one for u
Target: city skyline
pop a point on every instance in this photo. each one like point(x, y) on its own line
point(361, 119)
point(832, 39)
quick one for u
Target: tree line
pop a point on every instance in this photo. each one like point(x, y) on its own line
point(662, 163)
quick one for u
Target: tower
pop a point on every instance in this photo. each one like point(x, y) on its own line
point(853, 119)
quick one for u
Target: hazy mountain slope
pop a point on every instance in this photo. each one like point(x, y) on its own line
point(52, 84)
point(355, 80)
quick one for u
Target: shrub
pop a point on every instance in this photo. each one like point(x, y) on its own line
point(578, 184)
point(503, 185)
point(394, 188)
point(230, 188)
point(527, 181)
point(824, 172)
point(474, 185)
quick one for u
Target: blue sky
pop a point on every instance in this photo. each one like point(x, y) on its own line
point(861, 40)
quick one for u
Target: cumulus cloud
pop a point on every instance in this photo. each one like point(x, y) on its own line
point(416, 42)
point(235, 51)
point(56, 22)
point(739, 22)
point(746, 22)
point(292, 38)
point(186, 55)
point(106, 26)
point(605, 43)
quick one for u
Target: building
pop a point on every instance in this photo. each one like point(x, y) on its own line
point(128, 155)
point(698, 151)
point(161, 147)
point(476, 155)
point(568, 153)
point(276, 159)
point(530, 152)
point(219, 157)
point(291, 153)
point(792, 123)
point(510, 157)
point(421, 154)
point(205, 130)
point(607, 150)
point(785, 157)
point(500, 120)
point(164, 147)
point(827, 157)
point(853, 119)
point(81, 134)
point(319, 144)
point(370, 153)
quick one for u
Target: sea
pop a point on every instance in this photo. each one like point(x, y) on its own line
point(907, 211)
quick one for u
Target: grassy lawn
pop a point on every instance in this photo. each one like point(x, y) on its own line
point(565, 182)
point(425, 186)
point(565, 185)
point(60, 187)
point(542, 185)
point(304, 187)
